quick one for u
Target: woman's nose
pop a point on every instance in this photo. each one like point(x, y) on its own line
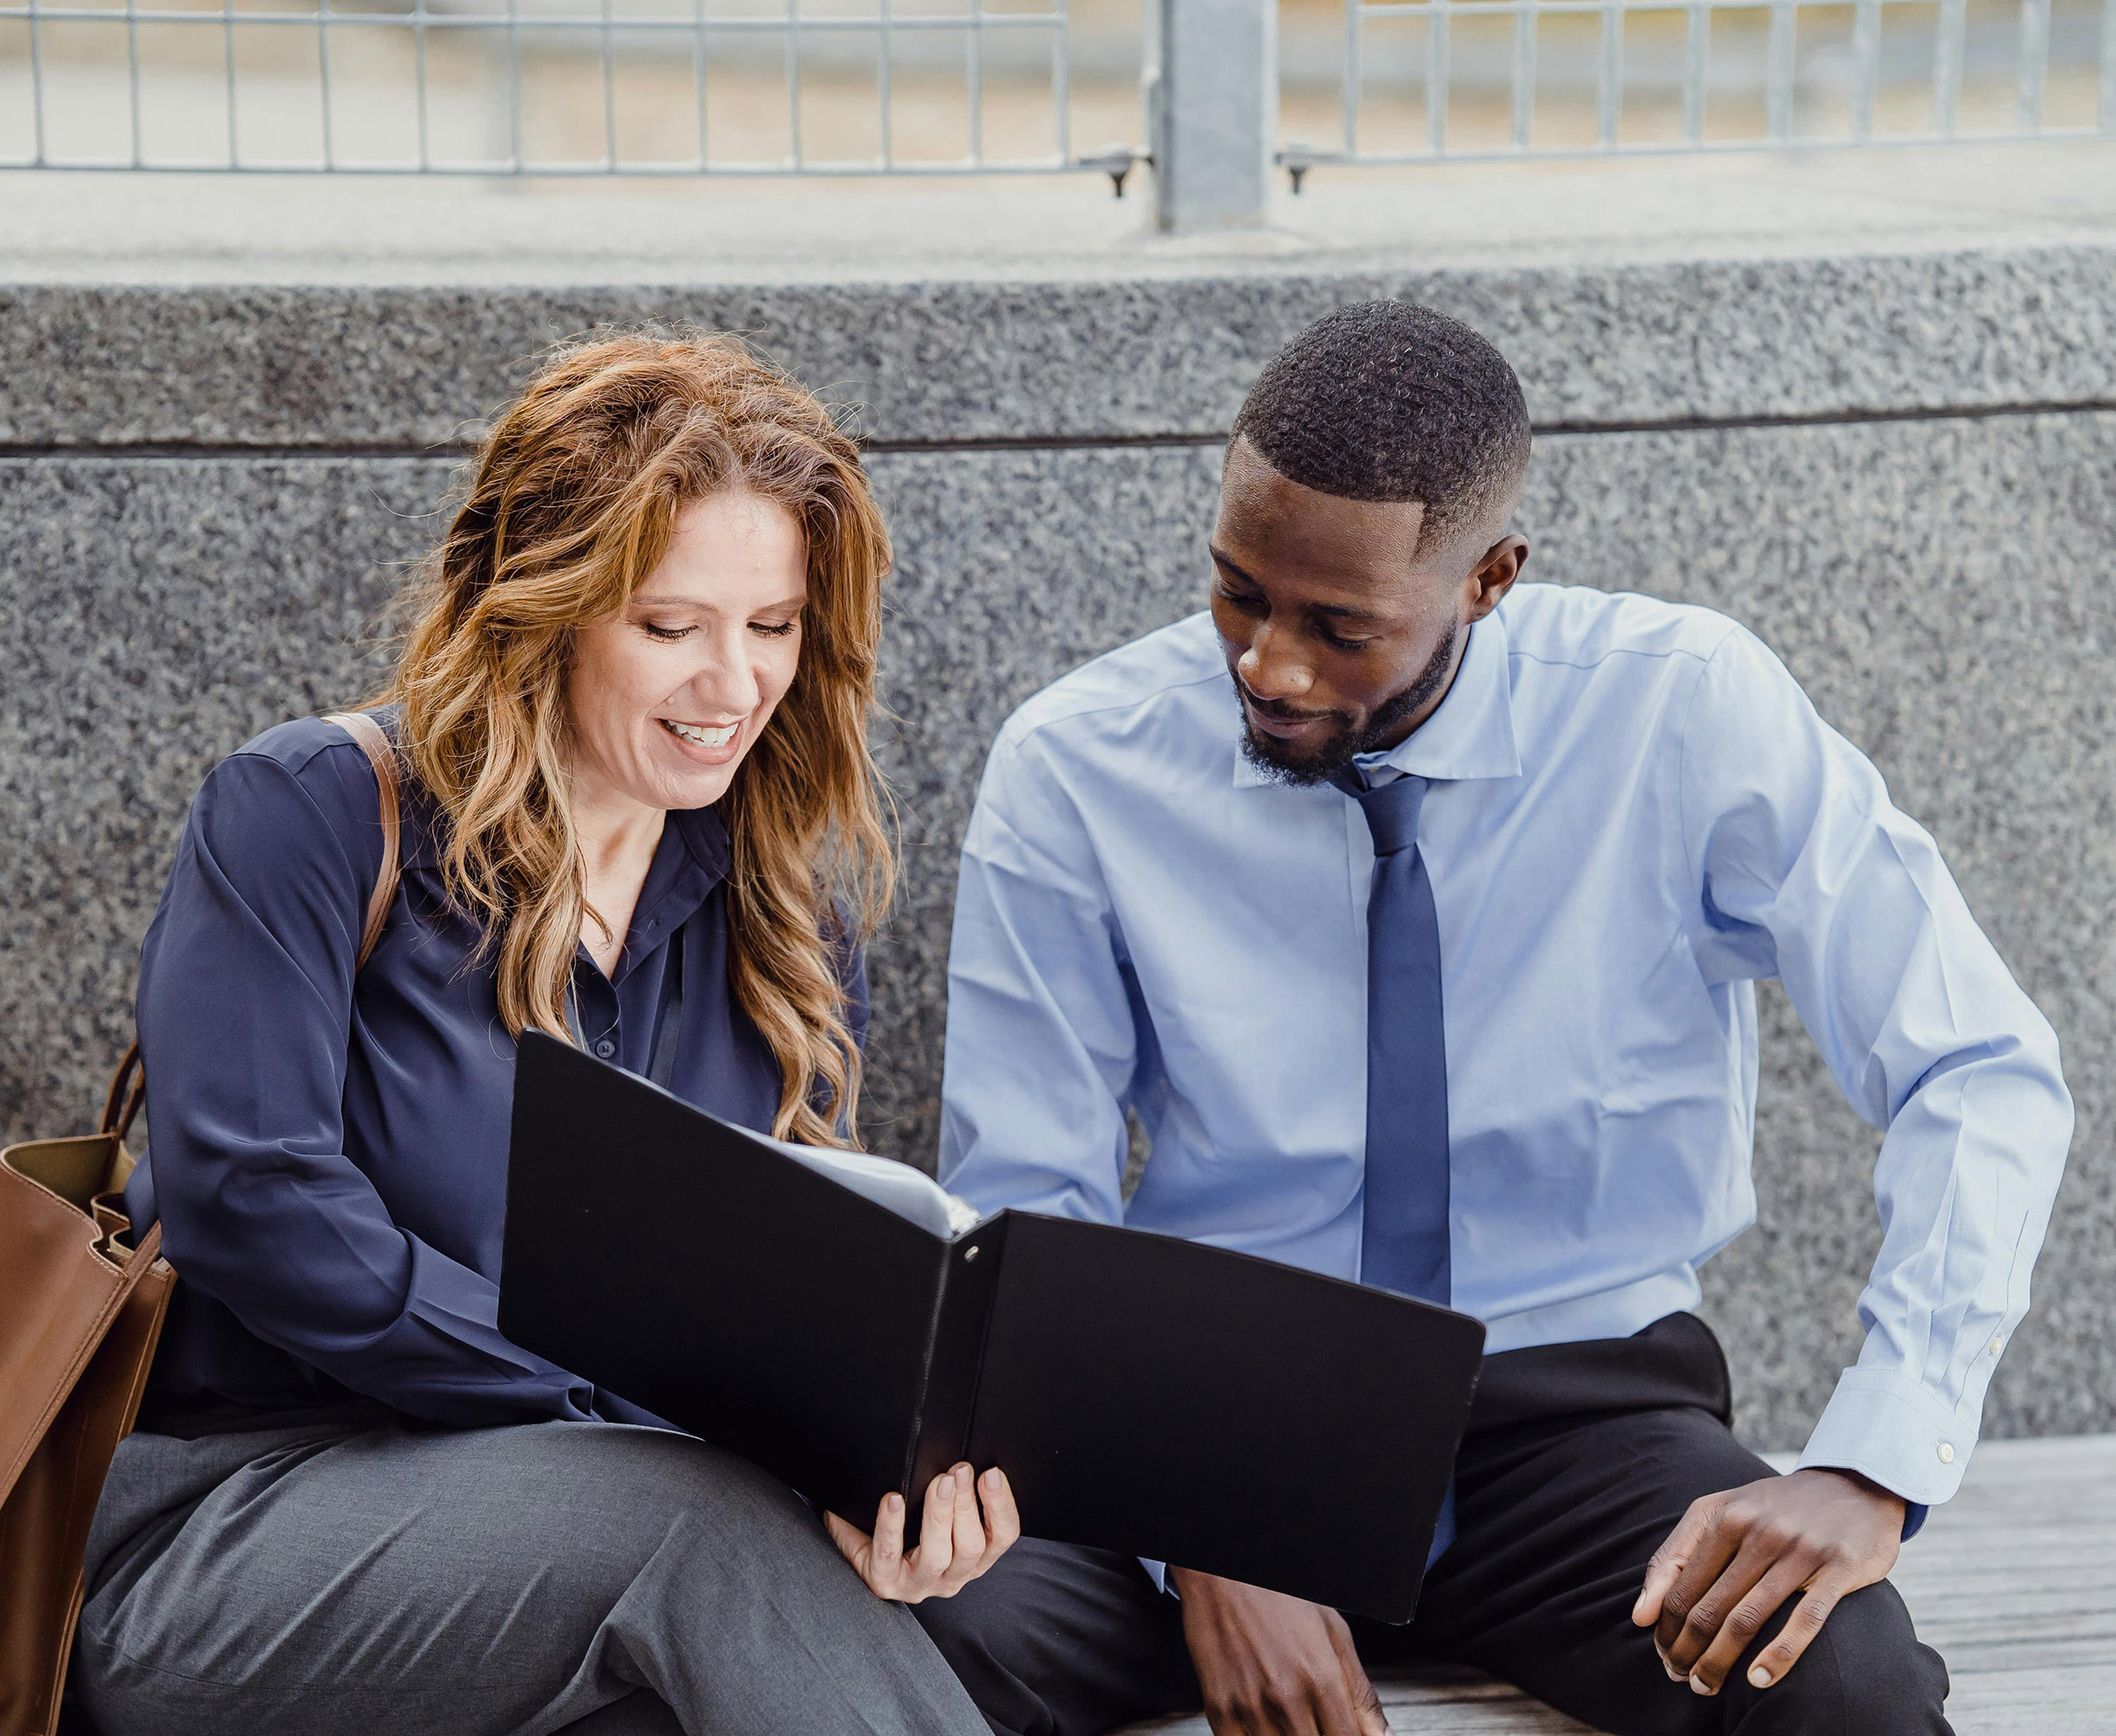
point(727, 682)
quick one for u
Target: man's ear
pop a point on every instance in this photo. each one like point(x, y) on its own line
point(1496, 572)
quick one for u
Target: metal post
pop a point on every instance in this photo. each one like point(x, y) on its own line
point(1211, 110)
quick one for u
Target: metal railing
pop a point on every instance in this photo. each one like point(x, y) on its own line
point(492, 52)
point(575, 88)
point(1757, 86)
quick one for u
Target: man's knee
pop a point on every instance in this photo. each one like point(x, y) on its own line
point(1867, 1673)
point(1061, 1642)
point(987, 1633)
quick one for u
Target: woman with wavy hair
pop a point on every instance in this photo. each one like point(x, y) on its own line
point(638, 812)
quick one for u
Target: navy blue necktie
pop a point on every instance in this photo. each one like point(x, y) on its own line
point(1404, 1238)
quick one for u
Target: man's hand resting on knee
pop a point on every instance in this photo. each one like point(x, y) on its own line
point(1272, 1664)
point(1736, 1556)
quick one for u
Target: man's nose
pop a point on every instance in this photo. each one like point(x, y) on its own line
point(1273, 668)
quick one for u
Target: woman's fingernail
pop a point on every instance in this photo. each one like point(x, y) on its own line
point(1759, 1677)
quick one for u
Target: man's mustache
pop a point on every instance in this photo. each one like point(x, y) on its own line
point(1281, 712)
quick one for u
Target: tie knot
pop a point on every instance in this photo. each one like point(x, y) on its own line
point(1392, 810)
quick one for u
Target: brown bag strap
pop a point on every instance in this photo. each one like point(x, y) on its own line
point(372, 742)
point(128, 1084)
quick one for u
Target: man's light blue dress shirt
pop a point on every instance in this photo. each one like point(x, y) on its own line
point(1635, 813)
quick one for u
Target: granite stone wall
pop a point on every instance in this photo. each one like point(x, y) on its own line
point(1928, 537)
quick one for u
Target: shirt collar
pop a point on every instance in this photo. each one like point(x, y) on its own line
point(689, 862)
point(1471, 735)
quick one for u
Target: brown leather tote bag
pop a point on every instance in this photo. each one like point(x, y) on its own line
point(80, 1314)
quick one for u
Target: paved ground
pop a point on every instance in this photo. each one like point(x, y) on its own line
point(107, 229)
point(2014, 1581)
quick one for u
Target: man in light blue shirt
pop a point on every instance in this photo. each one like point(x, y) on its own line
point(1416, 913)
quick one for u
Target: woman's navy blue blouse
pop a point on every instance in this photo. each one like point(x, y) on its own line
point(329, 1155)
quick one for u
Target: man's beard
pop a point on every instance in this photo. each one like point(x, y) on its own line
point(1289, 765)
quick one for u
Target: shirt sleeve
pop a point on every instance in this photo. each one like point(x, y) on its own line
point(245, 1004)
point(1041, 1046)
point(1808, 872)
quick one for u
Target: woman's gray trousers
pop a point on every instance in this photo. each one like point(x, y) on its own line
point(393, 1582)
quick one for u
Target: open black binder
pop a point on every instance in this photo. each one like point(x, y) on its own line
point(1143, 1393)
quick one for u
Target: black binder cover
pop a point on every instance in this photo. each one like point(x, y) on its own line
point(1143, 1393)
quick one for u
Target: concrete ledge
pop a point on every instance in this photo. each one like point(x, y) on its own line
point(1651, 295)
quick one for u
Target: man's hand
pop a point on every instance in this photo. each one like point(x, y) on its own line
point(1272, 1664)
point(1738, 1556)
point(955, 1542)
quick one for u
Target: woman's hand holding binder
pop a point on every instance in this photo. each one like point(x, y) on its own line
point(955, 1543)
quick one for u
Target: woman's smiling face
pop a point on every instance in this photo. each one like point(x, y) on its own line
point(670, 692)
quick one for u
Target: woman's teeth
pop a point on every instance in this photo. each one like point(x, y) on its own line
point(705, 737)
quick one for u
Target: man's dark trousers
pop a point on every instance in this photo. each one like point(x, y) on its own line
point(1580, 1460)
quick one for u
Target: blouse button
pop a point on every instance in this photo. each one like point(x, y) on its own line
point(606, 1048)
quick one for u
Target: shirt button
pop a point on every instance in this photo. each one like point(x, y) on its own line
point(1997, 1344)
point(606, 1048)
point(1946, 1454)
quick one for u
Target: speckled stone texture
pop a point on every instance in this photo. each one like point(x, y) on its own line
point(1942, 587)
point(1606, 344)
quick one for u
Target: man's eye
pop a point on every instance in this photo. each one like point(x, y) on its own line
point(665, 635)
point(1247, 603)
point(1346, 644)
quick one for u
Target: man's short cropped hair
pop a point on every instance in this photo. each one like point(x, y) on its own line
point(1386, 400)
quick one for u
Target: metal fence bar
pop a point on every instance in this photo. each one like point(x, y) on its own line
point(418, 75)
point(1609, 92)
point(1436, 78)
point(590, 22)
point(1865, 67)
point(1524, 75)
point(1778, 75)
point(976, 75)
point(1696, 66)
point(2034, 60)
point(793, 82)
point(227, 39)
point(1355, 72)
point(1062, 79)
point(2108, 67)
point(698, 78)
point(35, 13)
point(323, 79)
point(514, 86)
point(1947, 66)
point(132, 63)
point(607, 45)
point(885, 52)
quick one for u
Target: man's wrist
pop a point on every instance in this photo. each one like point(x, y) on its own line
point(1911, 1515)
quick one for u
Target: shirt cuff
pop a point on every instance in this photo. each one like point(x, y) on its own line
point(1885, 1426)
point(1158, 1572)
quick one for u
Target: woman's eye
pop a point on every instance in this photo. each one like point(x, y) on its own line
point(772, 629)
point(665, 635)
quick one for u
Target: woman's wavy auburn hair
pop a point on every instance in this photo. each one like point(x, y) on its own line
point(573, 499)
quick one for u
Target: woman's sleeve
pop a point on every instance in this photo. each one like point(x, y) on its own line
point(246, 995)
